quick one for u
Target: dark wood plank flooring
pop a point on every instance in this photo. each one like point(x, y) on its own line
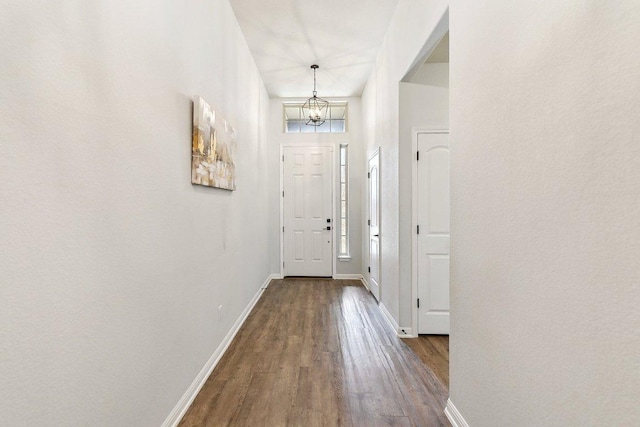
point(317, 352)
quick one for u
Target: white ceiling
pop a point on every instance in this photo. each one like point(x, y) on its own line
point(287, 36)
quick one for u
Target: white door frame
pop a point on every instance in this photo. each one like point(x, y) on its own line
point(414, 221)
point(333, 201)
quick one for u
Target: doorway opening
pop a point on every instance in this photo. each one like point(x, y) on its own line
point(424, 127)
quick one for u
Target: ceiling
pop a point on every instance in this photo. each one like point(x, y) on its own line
point(286, 36)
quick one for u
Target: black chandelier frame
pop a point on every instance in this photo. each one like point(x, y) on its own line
point(315, 109)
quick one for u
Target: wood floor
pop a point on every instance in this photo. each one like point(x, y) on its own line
point(317, 352)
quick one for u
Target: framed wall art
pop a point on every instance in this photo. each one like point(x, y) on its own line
point(213, 150)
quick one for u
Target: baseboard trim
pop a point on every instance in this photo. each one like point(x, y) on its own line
point(399, 331)
point(365, 283)
point(406, 333)
point(187, 399)
point(390, 320)
point(454, 416)
point(347, 276)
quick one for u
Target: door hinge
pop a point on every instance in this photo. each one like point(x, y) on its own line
point(283, 157)
point(283, 229)
point(417, 155)
point(283, 194)
point(368, 174)
point(417, 229)
point(369, 222)
point(369, 269)
point(418, 302)
point(282, 264)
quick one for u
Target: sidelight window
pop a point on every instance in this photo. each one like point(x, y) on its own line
point(343, 247)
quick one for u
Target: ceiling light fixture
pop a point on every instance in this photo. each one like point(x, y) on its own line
point(315, 109)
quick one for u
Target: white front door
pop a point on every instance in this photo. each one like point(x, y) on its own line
point(307, 211)
point(374, 224)
point(433, 236)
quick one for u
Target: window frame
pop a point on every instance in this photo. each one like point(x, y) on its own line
point(344, 104)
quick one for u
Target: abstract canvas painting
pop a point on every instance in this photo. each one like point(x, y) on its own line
point(213, 148)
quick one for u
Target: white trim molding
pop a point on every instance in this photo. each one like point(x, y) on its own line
point(390, 320)
point(406, 333)
point(348, 277)
point(365, 283)
point(454, 416)
point(189, 396)
point(401, 332)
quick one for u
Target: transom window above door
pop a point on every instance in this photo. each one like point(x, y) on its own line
point(294, 121)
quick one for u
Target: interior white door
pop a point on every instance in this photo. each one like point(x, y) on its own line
point(374, 224)
point(307, 211)
point(433, 234)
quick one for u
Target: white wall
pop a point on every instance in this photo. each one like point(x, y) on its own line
point(353, 137)
point(112, 265)
point(432, 74)
point(424, 105)
point(545, 213)
point(411, 26)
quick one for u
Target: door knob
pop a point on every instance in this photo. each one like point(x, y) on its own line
point(376, 235)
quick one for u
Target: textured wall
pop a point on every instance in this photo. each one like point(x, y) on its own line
point(545, 213)
point(112, 265)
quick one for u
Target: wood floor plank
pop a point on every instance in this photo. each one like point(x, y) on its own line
point(318, 352)
point(433, 351)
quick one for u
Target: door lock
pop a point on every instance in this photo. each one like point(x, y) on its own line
point(328, 219)
point(328, 228)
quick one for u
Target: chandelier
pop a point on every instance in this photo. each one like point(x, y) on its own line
point(314, 110)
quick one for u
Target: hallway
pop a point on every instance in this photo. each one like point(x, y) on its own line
point(318, 352)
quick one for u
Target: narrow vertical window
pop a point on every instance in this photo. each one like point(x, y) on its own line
point(343, 250)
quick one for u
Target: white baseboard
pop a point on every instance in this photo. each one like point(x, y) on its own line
point(187, 399)
point(399, 331)
point(390, 320)
point(347, 276)
point(406, 333)
point(365, 283)
point(454, 416)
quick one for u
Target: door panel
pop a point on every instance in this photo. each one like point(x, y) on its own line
point(307, 204)
point(438, 270)
point(433, 241)
point(374, 224)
